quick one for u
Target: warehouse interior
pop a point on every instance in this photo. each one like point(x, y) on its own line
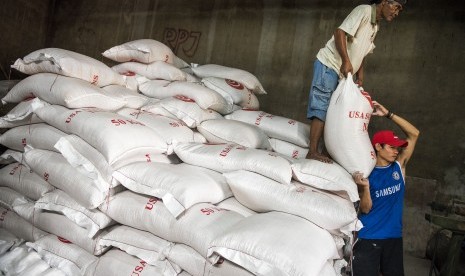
point(416, 70)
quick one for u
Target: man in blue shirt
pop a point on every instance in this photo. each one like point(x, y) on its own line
point(378, 248)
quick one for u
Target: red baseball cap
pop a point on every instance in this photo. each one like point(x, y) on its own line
point(387, 137)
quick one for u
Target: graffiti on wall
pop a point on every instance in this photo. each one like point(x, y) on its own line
point(182, 40)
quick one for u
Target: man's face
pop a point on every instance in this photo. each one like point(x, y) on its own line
point(391, 10)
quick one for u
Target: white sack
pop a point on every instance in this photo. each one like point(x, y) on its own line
point(346, 128)
point(205, 97)
point(40, 136)
point(233, 204)
point(9, 198)
point(12, 222)
point(274, 126)
point(184, 109)
point(303, 247)
point(234, 92)
point(140, 244)
point(61, 226)
point(119, 263)
point(119, 139)
point(23, 261)
point(325, 176)
point(141, 50)
point(169, 129)
point(55, 170)
point(179, 186)
point(63, 255)
point(288, 149)
point(262, 194)
point(68, 63)
point(8, 241)
point(24, 181)
point(152, 71)
point(87, 160)
point(239, 75)
point(64, 91)
point(197, 227)
point(91, 220)
point(231, 131)
point(231, 157)
point(133, 99)
point(22, 114)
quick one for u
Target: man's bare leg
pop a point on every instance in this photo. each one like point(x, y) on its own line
point(316, 132)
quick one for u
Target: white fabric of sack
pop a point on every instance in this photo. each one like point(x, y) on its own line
point(346, 128)
point(262, 194)
point(205, 97)
point(61, 226)
point(233, 204)
point(24, 181)
point(239, 75)
point(234, 92)
point(9, 198)
point(141, 50)
point(12, 222)
point(132, 98)
point(54, 168)
point(91, 220)
point(22, 114)
point(152, 71)
point(132, 82)
point(117, 262)
point(119, 139)
point(141, 244)
point(63, 255)
point(197, 227)
point(303, 249)
point(232, 157)
point(87, 160)
point(179, 186)
point(231, 131)
point(40, 136)
point(288, 149)
point(186, 110)
point(65, 91)
point(274, 126)
point(8, 241)
point(171, 130)
point(23, 261)
point(192, 262)
point(68, 63)
point(325, 176)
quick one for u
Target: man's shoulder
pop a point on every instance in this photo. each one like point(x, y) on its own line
point(364, 8)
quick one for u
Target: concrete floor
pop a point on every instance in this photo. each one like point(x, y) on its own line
point(414, 266)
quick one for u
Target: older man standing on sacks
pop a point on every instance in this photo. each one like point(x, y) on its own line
point(344, 53)
point(378, 248)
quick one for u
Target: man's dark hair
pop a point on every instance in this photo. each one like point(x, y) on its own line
point(375, 1)
point(402, 2)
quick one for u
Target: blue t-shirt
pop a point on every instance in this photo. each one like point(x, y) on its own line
point(387, 187)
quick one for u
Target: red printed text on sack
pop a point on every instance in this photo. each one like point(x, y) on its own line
point(211, 210)
point(226, 150)
point(118, 122)
point(15, 168)
point(139, 268)
point(3, 215)
point(295, 154)
point(150, 203)
point(94, 79)
point(234, 84)
point(262, 115)
point(72, 115)
point(46, 176)
point(292, 122)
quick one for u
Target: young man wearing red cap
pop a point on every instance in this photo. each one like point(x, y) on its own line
point(378, 248)
point(344, 53)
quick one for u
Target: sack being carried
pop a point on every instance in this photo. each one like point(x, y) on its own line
point(346, 129)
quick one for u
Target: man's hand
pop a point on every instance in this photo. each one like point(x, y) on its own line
point(379, 110)
point(360, 180)
point(346, 67)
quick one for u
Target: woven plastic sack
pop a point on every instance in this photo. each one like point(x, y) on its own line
point(274, 126)
point(141, 50)
point(132, 98)
point(234, 92)
point(40, 136)
point(152, 71)
point(233, 204)
point(9, 198)
point(68, 63)
point(22, 114)
point(13, 223)
point(346, 129)
point(64, 91)
point(232, 157)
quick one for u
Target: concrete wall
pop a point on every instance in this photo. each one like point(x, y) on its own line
point(416, 71)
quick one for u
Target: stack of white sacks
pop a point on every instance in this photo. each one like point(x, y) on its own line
point(155, 167)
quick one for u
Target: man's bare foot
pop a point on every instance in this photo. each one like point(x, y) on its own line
point(320, 157)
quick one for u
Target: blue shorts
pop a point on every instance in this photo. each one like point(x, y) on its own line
point(324, 83)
